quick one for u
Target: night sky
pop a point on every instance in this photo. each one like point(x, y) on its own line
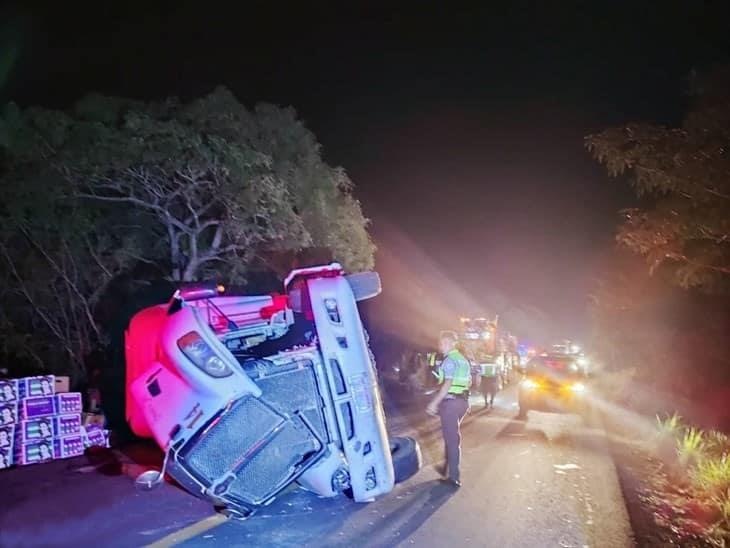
point(462, 128)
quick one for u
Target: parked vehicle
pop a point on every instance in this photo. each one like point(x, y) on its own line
point(553, 383)
point(249, 393)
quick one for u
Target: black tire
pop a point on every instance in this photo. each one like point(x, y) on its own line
point(406, 455)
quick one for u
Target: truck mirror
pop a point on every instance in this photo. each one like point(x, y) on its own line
point(364, 285)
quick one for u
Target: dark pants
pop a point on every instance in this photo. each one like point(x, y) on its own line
point(452, 411)
point(489, 387)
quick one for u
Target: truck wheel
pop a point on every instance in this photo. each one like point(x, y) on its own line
point(406, 455)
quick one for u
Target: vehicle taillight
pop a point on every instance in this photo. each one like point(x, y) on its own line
point(202, 355)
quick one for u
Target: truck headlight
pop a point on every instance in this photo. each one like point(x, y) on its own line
point(202, 355)
point(578, 387)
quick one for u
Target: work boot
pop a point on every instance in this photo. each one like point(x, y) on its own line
point(451, 482)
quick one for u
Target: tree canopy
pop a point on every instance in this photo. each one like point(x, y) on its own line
point(683, 176)
point(188, 191)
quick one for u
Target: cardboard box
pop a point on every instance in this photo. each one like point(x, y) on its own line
point(94, 436)
point(48, 427)
point(31, 387)
point(7, 437)
point(6, 458)
point(8, 390)
point(68, 425)
point(45, 450)
point(8, 413)
point(42, 406)
point(47, 406)
point(68, 446)
point(68, 403)
point(95, 419)
point(62, 384)
point(34, 452)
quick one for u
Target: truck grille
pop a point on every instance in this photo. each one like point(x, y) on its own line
point(229, 438)
point(260, 448)
point(273, 465)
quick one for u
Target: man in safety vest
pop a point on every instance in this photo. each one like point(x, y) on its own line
point(489, 383)
point(451, 402)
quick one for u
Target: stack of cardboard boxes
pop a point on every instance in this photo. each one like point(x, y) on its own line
point(40, 420)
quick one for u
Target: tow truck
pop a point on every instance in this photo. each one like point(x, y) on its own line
point(247, 394)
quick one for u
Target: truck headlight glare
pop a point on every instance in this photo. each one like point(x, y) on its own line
point(202, 355)
point(529, 384)
point(578, 387)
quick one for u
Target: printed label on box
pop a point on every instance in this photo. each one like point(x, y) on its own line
point(70, 446)
point(43, 406)
point(31, 387)
point(8, 390)
point(40, 428)
point(68, 425)
point(69, 402)
point(7, 434)
point(6, 458)
point(95, 436)
point(8, 413)
point(37, 451)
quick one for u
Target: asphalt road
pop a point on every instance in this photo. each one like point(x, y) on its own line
point(547, 482)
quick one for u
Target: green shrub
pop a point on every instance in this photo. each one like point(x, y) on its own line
point(713, 475)
point(691, 447)
point(671, 425)
point(717, 444)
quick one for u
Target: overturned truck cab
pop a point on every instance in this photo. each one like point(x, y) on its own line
point(247, 394)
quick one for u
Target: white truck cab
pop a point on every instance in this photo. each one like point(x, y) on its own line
point(247, 394)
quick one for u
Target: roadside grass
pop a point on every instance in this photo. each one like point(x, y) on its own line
point(691, 491)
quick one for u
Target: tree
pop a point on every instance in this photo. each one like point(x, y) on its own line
point(683, 175)
point(56, 259)
point(200, 189)
point(222, 187)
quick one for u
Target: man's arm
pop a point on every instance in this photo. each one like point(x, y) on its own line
point(433, 407)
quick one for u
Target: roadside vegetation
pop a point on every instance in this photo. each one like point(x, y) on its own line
point(111, 195)
point(689, 489)
point(660, 318)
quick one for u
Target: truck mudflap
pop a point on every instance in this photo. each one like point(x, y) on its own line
point(353, 384)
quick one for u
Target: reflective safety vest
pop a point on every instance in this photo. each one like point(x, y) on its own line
point(489, 370)
point(462, 374)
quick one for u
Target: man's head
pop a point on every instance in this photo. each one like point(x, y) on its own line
point(46, 387)
point(2, 461)
point(7, 392)
point(45, 429)
point(7, 416)
point(3, 438)
point(45, 451)
point(447, 341)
